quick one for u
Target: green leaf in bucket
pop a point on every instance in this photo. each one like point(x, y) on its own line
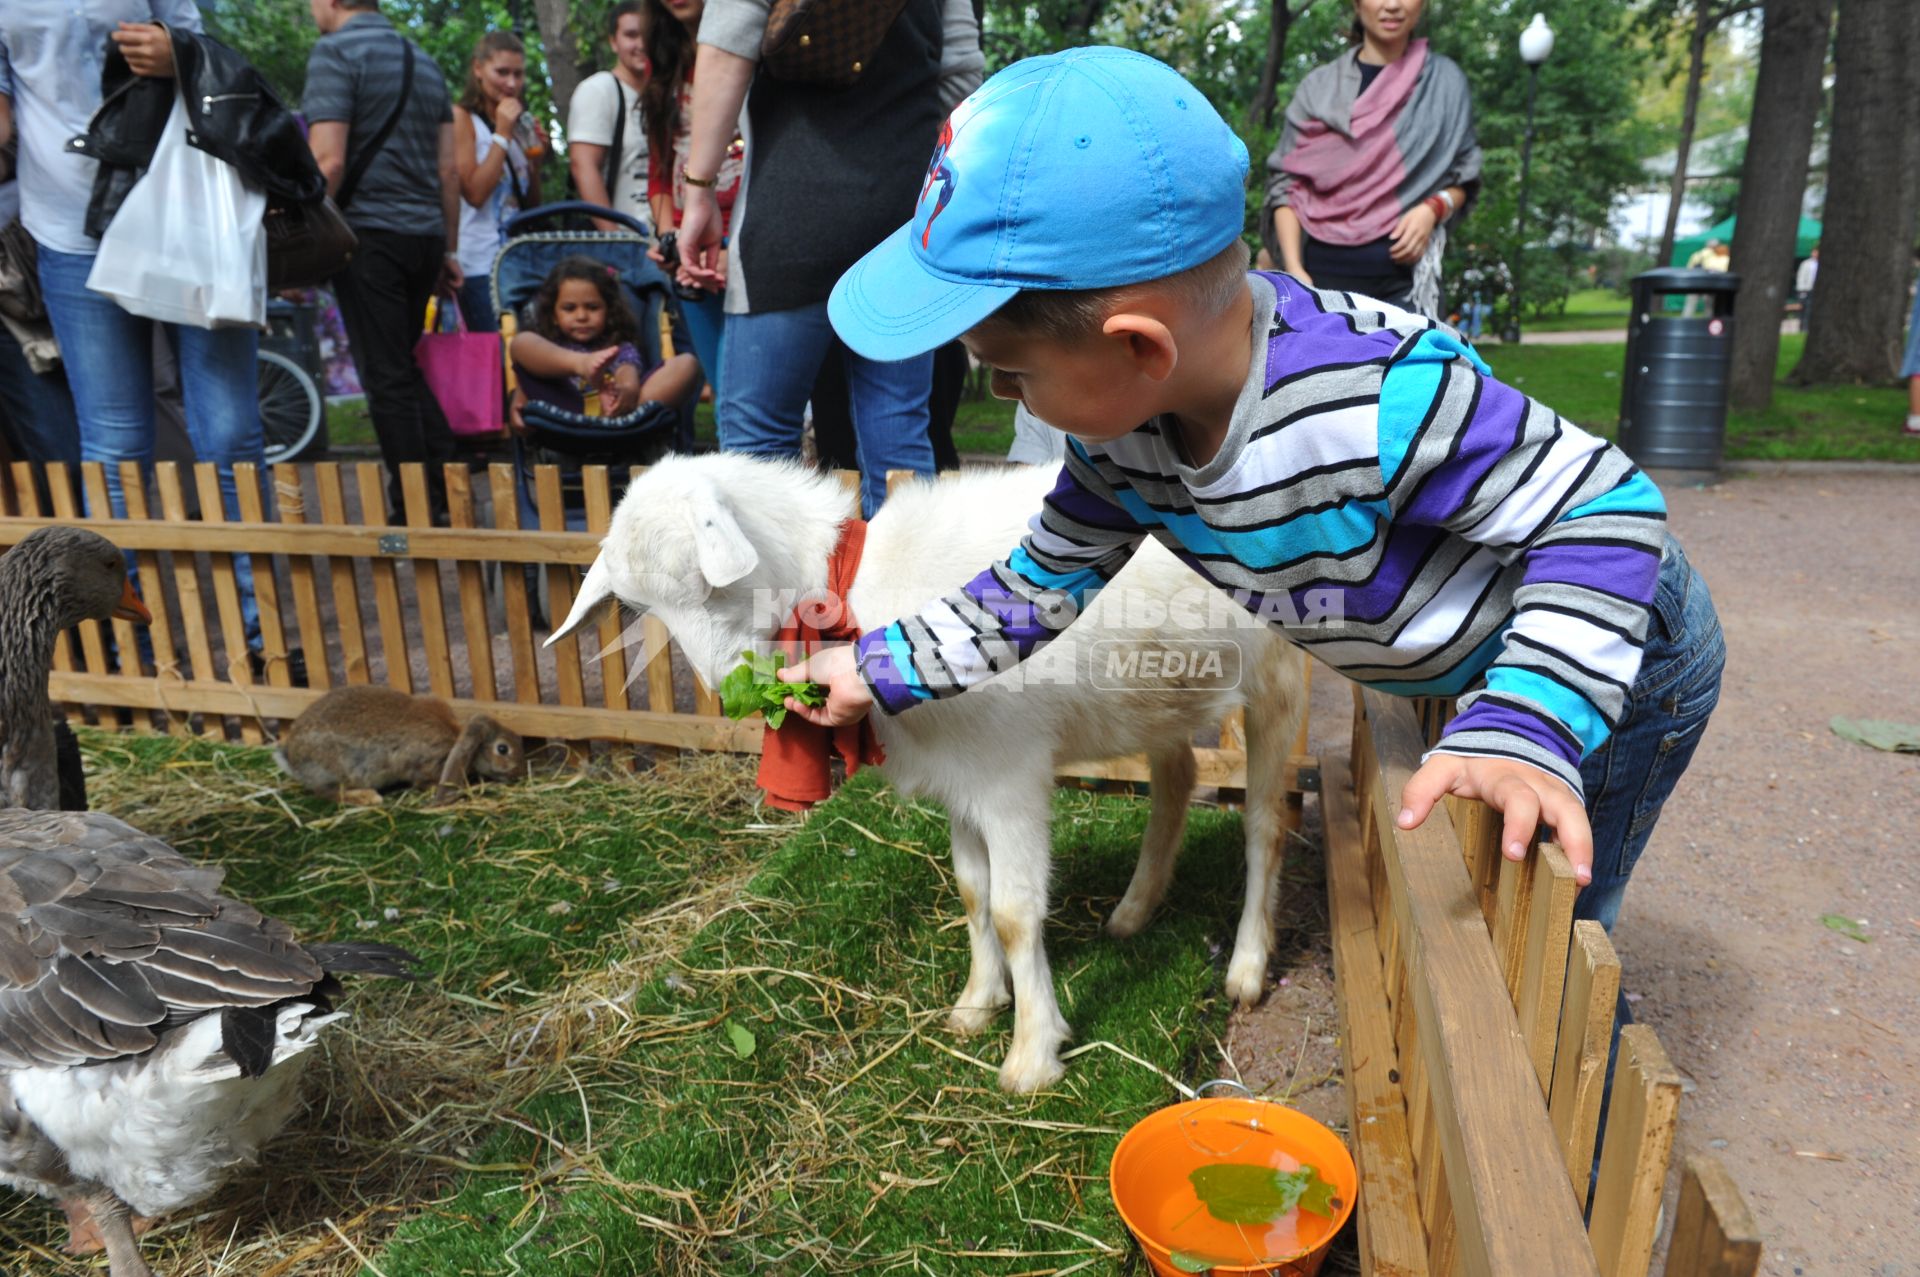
point(1189, 1261)
point(742, 1039)
point(1237, 1193)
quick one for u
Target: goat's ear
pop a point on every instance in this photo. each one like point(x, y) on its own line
point(595, 590)
point(724, 551)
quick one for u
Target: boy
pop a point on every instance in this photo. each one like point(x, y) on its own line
point(1080, 230)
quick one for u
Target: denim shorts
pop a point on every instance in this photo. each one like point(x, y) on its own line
point(1629, 778)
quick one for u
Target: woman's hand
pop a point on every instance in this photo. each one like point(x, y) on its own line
point(506, 115)
point(702, 264)
point(1411, 233)
point(1299, 272)
point(147, 48)
point(515, 422)
point(625, 396)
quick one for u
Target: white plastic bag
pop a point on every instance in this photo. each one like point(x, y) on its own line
point(187, 245)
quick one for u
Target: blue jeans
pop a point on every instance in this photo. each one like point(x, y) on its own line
point(476, 305)
point(768, 366)
point(36, 409)
point(1910, 366)
point(1473, 317)
point(706, 321)
point(109, 358)
point(1629, 778)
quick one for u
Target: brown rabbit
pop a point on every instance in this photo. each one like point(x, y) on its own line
point(358, 740)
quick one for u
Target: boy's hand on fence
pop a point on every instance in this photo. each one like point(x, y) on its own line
point(848, 699)
point(147, 48)
point(1525, 795)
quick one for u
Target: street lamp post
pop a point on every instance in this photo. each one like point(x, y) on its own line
point(1536, 46)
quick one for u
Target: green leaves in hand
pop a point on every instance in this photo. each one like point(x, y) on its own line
point(753, 686)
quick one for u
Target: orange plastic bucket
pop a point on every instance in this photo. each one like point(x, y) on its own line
point(1150, 1170)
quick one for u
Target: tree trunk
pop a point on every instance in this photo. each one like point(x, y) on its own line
point(1859, 298)
point(1703, 22)
point(1280, 19)
point(1773, 180)
point(563, 55)
point(1088, 15)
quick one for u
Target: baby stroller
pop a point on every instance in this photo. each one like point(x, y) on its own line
point(536, 241)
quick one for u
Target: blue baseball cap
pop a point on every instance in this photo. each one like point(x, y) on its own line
point(1089, 168)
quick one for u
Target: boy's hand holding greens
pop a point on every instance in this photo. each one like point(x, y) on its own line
point(1348, 470)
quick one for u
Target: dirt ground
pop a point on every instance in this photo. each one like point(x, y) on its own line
point(1801, 1046)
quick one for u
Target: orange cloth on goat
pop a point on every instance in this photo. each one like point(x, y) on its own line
point(796, 762)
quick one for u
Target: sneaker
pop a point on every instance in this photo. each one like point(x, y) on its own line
point(1912, 429)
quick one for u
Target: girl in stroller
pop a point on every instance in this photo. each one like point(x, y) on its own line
point(583, 354)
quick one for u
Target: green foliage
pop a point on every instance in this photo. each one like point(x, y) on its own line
point(754, 687)
point(277, 35)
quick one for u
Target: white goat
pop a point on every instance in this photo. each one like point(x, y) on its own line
point(704, 542)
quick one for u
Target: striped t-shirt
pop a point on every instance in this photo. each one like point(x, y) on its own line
point(1468, 539)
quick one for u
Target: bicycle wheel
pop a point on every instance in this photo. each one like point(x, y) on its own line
point(290, 407)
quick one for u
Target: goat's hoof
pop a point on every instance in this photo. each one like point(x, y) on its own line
point(1025, 1072)
point(1247, 981)
point(1127, 920)
point(967, 1018)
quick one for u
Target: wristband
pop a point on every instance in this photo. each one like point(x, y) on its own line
point(708, 182)
point(1438, 207)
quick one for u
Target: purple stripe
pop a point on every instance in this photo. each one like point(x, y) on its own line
point(883, 676)
point(1072, 499)
point(1364, 604)
point(1318, 338)
point(1020, 622)
point(1490, 716)
point(1486, 438)
point(1615, 569)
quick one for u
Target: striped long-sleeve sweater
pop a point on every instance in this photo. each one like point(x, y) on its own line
point(1472, 540)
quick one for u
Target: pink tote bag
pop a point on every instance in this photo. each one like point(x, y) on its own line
point(464, 371)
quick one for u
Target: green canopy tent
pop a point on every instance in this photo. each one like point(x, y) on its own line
point(1803, 240)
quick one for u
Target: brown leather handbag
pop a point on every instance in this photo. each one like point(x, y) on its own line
point(307, 244)
point(826, 43)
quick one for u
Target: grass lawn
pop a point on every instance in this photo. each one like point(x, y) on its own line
point(1582, 383)
point(572, 1092)
point(1588, 309)
point(1814, 423)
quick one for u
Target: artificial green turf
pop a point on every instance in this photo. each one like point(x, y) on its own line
point(794, 1159)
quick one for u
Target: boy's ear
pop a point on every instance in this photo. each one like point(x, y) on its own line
point(1147, 343)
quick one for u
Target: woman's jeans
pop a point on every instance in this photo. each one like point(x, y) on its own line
point(109, 359)
point(768, 367)
point(476, 305)
point(1629, 778)
point(705, 318)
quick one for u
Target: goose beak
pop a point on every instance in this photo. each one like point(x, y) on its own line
point(130, 608)
point(595, 590)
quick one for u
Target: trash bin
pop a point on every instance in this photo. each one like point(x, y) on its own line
point(1673, 392)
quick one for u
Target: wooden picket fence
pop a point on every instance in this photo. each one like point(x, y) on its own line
point(1476, 1014)
point(1477, 1017)
point(447, 610)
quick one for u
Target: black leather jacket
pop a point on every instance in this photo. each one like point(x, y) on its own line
point(231, 114)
